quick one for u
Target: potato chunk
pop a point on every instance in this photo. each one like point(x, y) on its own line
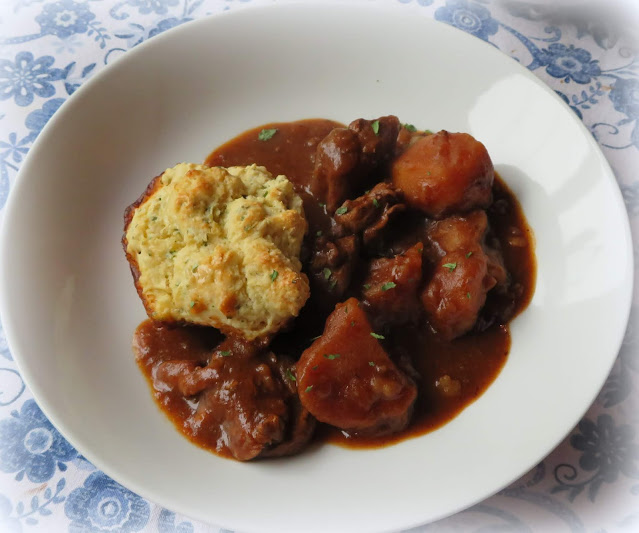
point(346, 379)
point(445, 173)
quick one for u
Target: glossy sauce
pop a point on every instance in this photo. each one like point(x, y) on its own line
point(474, 360)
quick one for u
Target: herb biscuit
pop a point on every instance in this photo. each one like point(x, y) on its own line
point(219, 247)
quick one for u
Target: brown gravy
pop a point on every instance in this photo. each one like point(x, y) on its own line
point(473, 360)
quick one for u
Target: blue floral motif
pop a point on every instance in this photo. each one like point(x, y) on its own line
point(40, 505)
point(153, 6)
point(14, 148)
point(166, 523)
point(102, 505)
point(64, 18)
point(25, 77)
point(468, 16)
point(137, 34)
point(82, 463)
point(567, 101)
point(625, 96)
point(30, 445)
point(36, 120)
point(607, 450)
point(68, 45)
point(569, 63)
point(166, 24)
point(7, 523)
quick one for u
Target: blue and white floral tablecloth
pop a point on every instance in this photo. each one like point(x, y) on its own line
point(589, 56)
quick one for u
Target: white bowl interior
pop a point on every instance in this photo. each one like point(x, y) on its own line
point(70, 308)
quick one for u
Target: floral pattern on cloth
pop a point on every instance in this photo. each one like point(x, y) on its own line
point(101, 504)
point(590, 482)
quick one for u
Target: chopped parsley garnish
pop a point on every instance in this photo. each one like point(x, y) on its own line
point(327, 273)
point(265, 194)
point(367, 286)
point(388, 285)
point(352, 323)
point(266, 134)
point(194, 269)
point(153, 219)
point(331, 356)
point(469, 254)
point(370, 363)
point(309, 388)
point(290, 375)
point(450, 266)
point(191, 305)
point(375, 202)
point(314, 367)
point(409, 127)
point(375, 126)
point(341, 210)
point(319, 233)
point(377, 336)
point(332, 284)
point(274, 275)
point(315, 338)
point(468, 295)
point(225, 353)
point(321, 204)
point(428, 132)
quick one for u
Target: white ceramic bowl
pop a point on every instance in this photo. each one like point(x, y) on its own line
point(69, 307)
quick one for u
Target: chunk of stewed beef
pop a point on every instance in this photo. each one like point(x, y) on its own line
point(248, 402)
point(390, 291)
point(332, 265)
point(465, 270)
point(346, 378)
point(377, 140)
point(348, 159)
point(336, 173)
point(371, 214)
point(406, 137)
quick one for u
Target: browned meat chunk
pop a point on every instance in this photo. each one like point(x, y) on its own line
point(301, 424)
point(332, 266)
point(406, 138)
point(445, 173)
point(370, 214)
point(249, 404)
point(346, 379)
point(377, 139)
point(336, 173)
point(390, 289)
point(466, 269)
point(347, 157)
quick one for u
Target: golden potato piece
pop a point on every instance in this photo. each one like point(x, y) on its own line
point(218, 247)
point(445, 173)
